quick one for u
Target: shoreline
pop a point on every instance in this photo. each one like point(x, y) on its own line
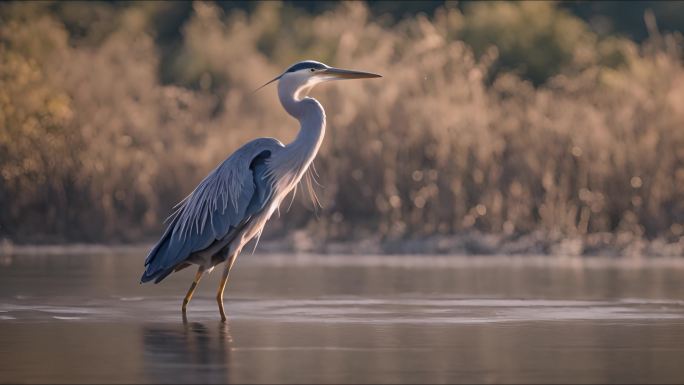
point(610, 245)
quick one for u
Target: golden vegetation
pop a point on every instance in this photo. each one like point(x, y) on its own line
point(587, 137)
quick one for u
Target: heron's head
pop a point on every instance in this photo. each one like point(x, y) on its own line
point(306, 74)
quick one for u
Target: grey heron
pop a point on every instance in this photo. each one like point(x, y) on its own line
point(233, 203)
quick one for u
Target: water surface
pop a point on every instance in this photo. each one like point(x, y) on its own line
point(344, 319)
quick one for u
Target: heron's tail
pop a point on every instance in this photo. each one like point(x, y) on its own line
point(156, 263)
point(152, 271)
point(158, 276)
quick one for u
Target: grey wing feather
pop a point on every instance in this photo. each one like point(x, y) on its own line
point(221, 203)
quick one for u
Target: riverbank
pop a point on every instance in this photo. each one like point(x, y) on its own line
point(471, 243)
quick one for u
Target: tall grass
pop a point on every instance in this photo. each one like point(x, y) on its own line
point(93, 146)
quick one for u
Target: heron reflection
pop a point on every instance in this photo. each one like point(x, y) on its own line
point(188, 352)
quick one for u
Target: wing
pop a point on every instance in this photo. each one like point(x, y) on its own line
point(221, 204)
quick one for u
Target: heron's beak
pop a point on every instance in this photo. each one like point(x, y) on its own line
point(339, 73)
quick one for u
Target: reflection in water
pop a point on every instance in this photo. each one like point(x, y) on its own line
point(351, 320)
point(191, 352)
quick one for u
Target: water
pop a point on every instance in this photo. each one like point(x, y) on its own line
point(344, 319)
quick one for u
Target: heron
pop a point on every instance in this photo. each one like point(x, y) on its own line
point(233, 203)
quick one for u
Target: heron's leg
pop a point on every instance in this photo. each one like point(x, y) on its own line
point(188, 296)
point(224, 282)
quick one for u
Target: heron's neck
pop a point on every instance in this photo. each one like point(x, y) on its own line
point(311, 116)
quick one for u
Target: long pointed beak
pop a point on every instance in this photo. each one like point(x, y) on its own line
point(340, 73)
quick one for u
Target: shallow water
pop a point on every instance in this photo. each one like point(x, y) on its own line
point(345, 319)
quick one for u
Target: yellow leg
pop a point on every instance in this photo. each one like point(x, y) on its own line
point(224, 282)
point(188, 296)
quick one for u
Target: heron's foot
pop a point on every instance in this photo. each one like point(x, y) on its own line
point(224, 282)
point(188, 296)
point(219, 300)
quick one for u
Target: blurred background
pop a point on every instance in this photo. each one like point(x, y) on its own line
point(499, 127)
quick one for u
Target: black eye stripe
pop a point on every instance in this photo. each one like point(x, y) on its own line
point(311, 65)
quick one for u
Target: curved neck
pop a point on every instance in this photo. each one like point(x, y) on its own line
point(308, 111)
point(291, 163)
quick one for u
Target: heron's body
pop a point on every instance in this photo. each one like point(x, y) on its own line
point(234, 202)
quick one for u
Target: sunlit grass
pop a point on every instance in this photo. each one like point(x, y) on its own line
point(94, 147)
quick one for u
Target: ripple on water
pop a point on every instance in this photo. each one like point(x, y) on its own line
point(356, 310)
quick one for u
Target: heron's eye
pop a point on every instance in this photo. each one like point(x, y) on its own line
point(312, 70)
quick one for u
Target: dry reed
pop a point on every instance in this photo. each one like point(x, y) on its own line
point(94, 147)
